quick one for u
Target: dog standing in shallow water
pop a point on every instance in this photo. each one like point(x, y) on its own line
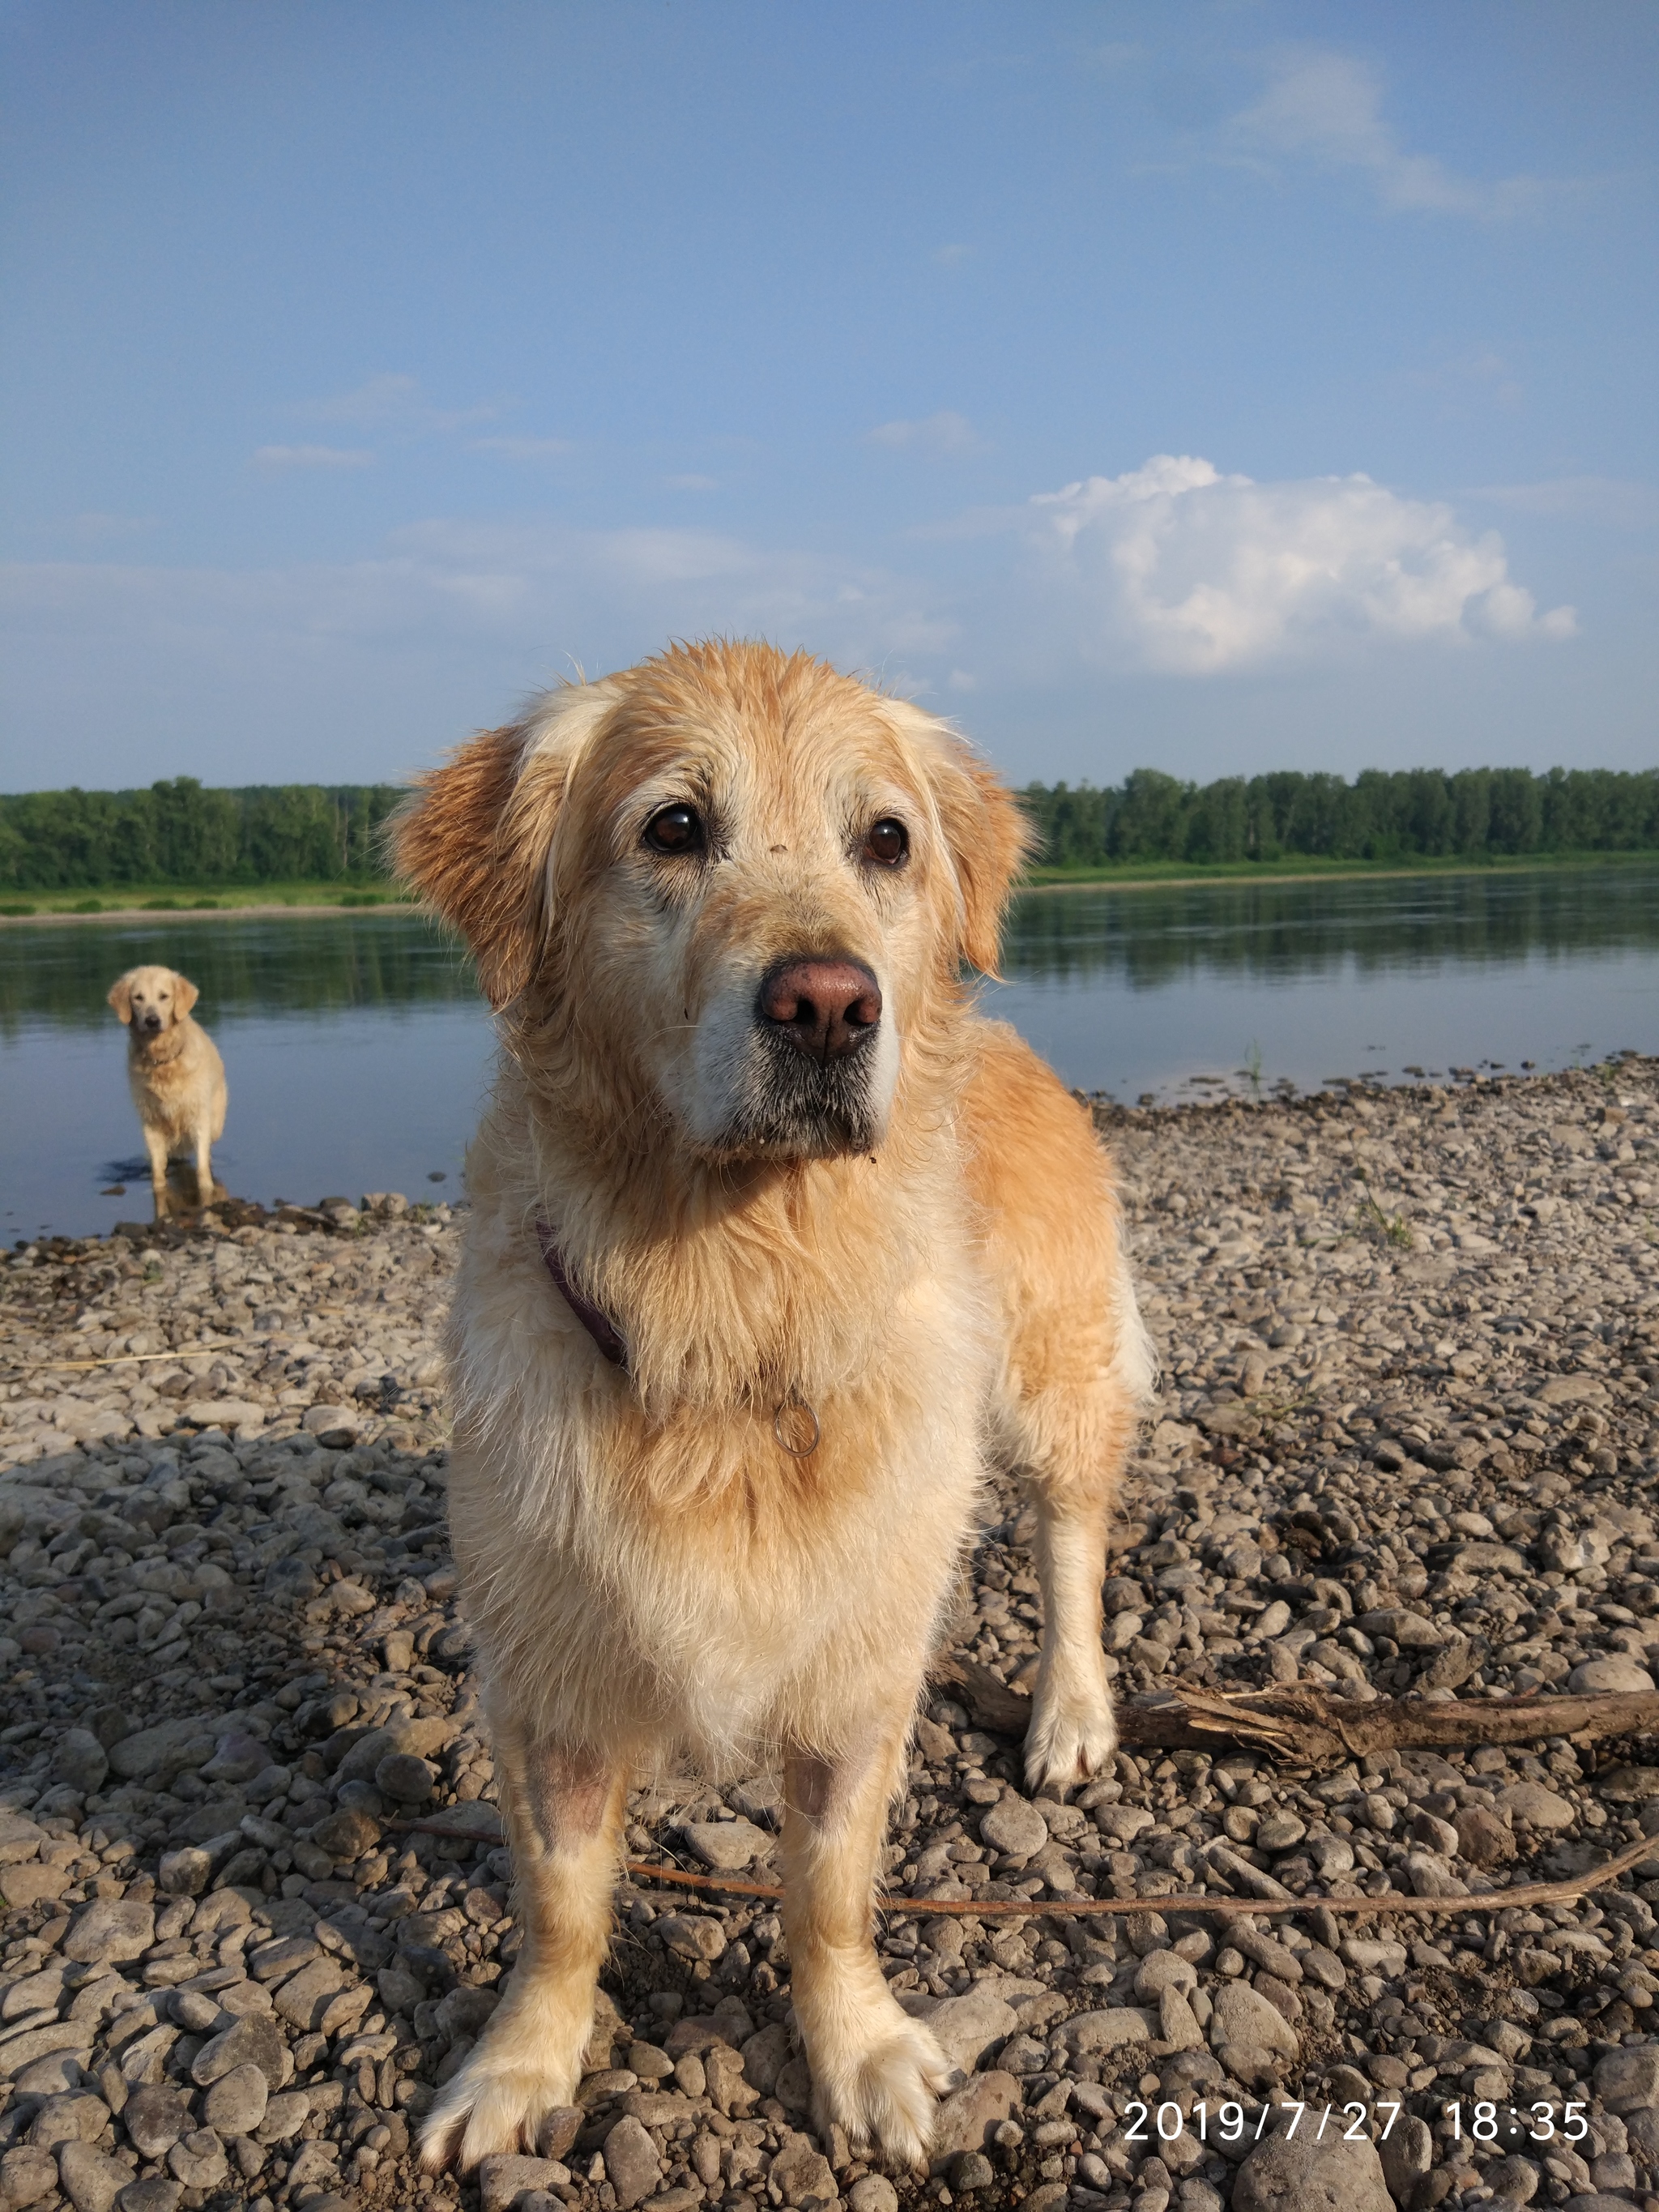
point(774, 1244)
point(175, 1074)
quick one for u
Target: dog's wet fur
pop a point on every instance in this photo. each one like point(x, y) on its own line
point(781, 1188)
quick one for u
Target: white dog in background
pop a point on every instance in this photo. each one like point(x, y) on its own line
point(176, 1075)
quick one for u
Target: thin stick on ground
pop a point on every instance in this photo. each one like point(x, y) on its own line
point(1522, 1897)
point(1308, 1729)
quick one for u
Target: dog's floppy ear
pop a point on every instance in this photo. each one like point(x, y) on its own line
point(120, 997)
point(985, 832)
point(475, 836)
point(185, 995)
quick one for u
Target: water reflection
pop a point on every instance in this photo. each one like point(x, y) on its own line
point(262, 967)
point(1281, 931)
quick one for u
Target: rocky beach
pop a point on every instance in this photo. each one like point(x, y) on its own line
point(1406, 1446)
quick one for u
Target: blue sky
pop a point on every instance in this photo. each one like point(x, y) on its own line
point(1220, 386)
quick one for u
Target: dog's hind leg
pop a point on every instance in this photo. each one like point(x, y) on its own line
point(564, 1812)
point(203, 1166)
point(875, 2071)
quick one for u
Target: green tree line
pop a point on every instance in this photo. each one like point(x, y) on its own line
point(185, 832)
point(1406, 814)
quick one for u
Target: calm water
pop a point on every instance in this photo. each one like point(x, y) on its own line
point(357, 1050)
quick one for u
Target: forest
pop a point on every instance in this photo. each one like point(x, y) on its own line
point(1476, 814)
point(187, 833)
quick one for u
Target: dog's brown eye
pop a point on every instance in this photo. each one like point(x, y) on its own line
point(675, 830)
point(888, 842)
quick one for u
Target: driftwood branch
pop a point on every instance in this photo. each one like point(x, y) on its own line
point(1310, 1729)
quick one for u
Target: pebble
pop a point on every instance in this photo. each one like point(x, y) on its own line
point(1305, 2172)
point(1441, 1485)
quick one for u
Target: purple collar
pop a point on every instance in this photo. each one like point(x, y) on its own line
point(599, 1325)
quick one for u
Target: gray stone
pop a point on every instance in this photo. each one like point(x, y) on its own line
point(631, 2163)
point(80, 1762)
point(184, 1872)
point(874, 2193)
point(150, 1749)
point(158, 2194)
point(801, 2171)
point(239, 1757)
point(77, 2117)
point(198, 2160)
point(91, 2179)
point(502, 2179)
point(1538, 1807)
point(966, 2118)
point(970, 2169)
point(305, 1999)
point(1091, 2033)
point(1302, 2173)
point(1628, 2079)
point(26, 2176)
point(1514, 2180)
point(194, 2011)
point(1411, 1631)
point(155, 2118)
point(728, 1846)
point(1251, 2038)
point(1407, 2153)
point(1162, 1970)
point(692, 1935)
point(109, 1929)
point(1616, 1671)
point(969, 2028)
point(236, 2104)
point(401, 1775)
point(255, 2040)
point(1015, 1827)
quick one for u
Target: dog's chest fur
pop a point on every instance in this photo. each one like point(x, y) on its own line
point(649, 1569)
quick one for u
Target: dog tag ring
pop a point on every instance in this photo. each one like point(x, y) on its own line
point(795, 1404)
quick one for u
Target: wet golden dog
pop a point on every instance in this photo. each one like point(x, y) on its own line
point(175, 1074)
point(775, 1244)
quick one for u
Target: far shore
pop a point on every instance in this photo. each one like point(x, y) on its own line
point(228, 904)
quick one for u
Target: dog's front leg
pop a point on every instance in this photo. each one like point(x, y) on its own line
point(203, 1167)
point(564, 1812)
point(875, 2071)
point(156, 1146)
point(1073, 1732)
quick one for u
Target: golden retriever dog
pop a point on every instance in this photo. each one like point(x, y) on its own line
point(175, 1074)
point(775, 1245)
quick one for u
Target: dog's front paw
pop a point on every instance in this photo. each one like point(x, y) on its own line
point(500, 2096)
point(879, 2079)
point(1072, 1736)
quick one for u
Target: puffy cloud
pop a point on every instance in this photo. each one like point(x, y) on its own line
point(1327, 107)
point(944, 436)
point(279, 458)
point(1178, 568)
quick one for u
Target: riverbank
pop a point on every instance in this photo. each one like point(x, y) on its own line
point(1300, 868)
point(172, 903)
point(1408, 1438)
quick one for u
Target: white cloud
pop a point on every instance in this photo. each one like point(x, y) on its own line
point(692, 483)
point(948, 256)
point(1175, 567)
point(1327, 108)
point(523, 449)
point(312, 457)
point(944, 435)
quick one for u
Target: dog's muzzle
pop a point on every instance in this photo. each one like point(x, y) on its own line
point(809, 1081)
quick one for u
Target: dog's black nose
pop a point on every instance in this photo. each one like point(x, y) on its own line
point(826, 1008)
